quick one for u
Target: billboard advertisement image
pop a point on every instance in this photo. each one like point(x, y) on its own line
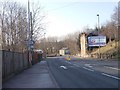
point(96, 41)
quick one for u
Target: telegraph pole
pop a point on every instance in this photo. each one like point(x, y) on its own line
point(28, 25)
point(118, 26)
point(31, 37)
point(29, 34)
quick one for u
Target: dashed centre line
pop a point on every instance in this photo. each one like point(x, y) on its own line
point(88, 65)
point(112, 68)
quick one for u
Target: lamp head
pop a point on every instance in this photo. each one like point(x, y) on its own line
point(97, 14)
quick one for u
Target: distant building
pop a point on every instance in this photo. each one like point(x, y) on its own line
point(64, 51)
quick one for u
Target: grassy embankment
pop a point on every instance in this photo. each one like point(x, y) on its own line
point(112, 48)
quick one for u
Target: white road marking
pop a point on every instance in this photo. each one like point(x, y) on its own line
point(88, 65)
point(72, 64)
point(111, 76)
point(112, 68)
point(88, 69)
point(76, 65)
point(63, 67)
point(68, 62)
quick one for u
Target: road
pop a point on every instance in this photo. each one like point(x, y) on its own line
point(80, 73)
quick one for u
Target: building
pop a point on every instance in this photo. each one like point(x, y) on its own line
point(64, 51)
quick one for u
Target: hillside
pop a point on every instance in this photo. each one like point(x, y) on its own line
point(111, 48)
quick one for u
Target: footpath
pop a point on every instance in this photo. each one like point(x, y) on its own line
point(38, 76)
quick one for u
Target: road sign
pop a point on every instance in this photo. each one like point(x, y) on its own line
point(30, 44)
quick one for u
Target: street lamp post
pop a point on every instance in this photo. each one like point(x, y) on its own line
point(98, 34)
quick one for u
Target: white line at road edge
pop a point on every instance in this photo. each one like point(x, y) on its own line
point(112, 68)
point(111, 76)
point(88, 69)
point(63, 67)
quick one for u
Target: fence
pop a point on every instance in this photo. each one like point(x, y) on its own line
point(15, 62)
point(37, 57)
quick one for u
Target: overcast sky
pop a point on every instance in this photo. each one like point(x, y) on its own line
point(67, 16)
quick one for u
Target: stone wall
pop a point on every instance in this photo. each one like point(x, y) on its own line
point(83, 45)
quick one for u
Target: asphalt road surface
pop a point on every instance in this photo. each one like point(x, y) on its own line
point(80, 73)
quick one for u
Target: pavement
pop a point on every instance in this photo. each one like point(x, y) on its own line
point(38, 76)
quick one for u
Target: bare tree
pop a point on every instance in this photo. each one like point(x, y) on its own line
point(114, 20)
point(13, 25)
point(114, 16)
point(71, 42)
point(51, 45)
point(109, 30)
point(38, 20)
point(111, 27)
point(13, 19)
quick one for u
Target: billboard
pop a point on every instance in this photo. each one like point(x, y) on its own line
point(96, 41)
